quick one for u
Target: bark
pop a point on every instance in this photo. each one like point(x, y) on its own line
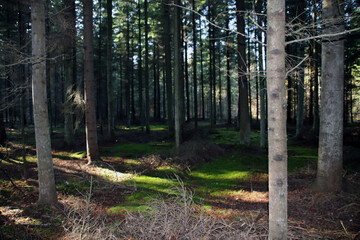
point(300, 100)
point(47, 189)
point(169, 91)
point(110, 101)
point(244, 119)
point(195, 66)
point(147, 97)
point(179, 81)
point(89, 88)
point(228, 79)
point(187, 87)
point(141, 99)
point(277, 119)
point(330, 158)
point(202, 79)
point(68, 83)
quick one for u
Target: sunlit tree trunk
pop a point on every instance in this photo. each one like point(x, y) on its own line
point(47, 189)
point(330, 159)
point(244, 120)
point(89, 86)
point(277, 119)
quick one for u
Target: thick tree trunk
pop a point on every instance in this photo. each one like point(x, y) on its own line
point(244, 120)
point(110, 101)
point(277, 119)
point(92, 148)
point(47, 189)
point(330, 159)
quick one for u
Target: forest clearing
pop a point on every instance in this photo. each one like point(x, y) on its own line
point(223, 181)
point(179, 119)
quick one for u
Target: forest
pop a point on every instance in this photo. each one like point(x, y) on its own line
point(170, 119)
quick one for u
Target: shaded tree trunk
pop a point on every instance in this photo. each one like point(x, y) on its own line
point(277, 119)
point(92, 148)
point(141, 98)
point(195, 66)
point(179, 81)
point(244, 119)
point(147, 97)
point(47, 189)
point(169, 91)
point(110, 101)
point(330, 159)
point(228, 78)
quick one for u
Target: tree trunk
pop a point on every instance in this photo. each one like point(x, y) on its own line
point(147, 97)
point(195, 66)
point(89, 88)
point(277, 119)
point(169, 91)
point(47, 189)
point(300, 100)
point(202, 78)
point(179, 81)
point(330, 159)
point(109, 79)
point(141, 99)
point(68, 83)
point(228, 78)
point(244, 120)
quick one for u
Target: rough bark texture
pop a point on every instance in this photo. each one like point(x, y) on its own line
point(47, 190)
point(89, 88)
point(330, 159)
point(277, 119)
point(244, 119)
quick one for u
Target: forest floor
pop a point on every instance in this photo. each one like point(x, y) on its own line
point(213, 175)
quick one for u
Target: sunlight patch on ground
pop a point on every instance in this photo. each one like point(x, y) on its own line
point(111, 175)
point(16, 215)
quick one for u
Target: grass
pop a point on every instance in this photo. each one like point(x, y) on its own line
point(131, 150)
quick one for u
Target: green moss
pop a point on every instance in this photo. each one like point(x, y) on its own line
point(136, 149)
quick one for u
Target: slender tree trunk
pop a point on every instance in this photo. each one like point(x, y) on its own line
point(300, 100)
point(169, 91)
point(127, 72)
point(220, 84)
point(68, 106)
point(202, 79)
point(195, 66)
point(330, 163)
point(109, 79)
point(262, 96)
point(179, 82)
point(147, 97)
point(244, 120)
point(47, 189)
point(277, 119)
point(141, 99)
point(187, 87)
point(228, 78)
point(89, 88)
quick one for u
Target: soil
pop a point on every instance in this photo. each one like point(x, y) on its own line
point(312, 215)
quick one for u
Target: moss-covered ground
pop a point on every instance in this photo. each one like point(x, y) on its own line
point(137, 168)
